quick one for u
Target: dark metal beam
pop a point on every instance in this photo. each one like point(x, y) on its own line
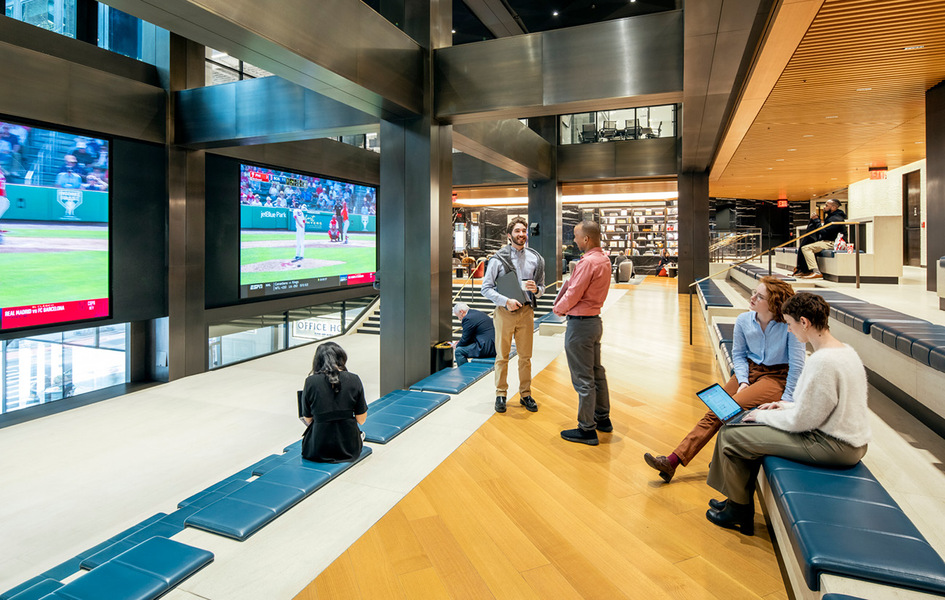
point(720, 42)
point(325, 157)
point(508, 144)
point(495, 16)
point(339, 48)
point(618, 160)
point(265, 110)
point(636, 61)
point(52, 88)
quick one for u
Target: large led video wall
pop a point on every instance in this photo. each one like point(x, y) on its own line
point(54, 236)
point(304, 233)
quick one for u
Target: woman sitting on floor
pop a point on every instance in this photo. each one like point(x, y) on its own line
point(827, 424)
point(333, 406)
point(767, 361)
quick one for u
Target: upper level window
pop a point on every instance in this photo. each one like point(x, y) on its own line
point(645, 122)
point(54, 15)
point(223, 68)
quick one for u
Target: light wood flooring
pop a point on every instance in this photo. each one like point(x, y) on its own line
point(516, 512)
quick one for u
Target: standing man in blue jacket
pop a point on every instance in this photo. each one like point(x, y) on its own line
point(512, 318)
point(478, 339)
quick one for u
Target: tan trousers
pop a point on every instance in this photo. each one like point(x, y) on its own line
point(519, 324)
point(810, 253)
point(765, 384)
point(739, 450)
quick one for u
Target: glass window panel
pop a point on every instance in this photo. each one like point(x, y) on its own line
point(315, 323)
point(54, 15)
point(254, 71)
point(46, 368)
point(217, 74)
point(223, 58)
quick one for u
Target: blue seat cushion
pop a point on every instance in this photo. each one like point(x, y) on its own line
point(35, 590)
point(725, 331)
point(398, 411)
point(937, 358)
point(145, 571)
point(842, 521)
point(159, 528)
point(453, 380)
point(243, 512)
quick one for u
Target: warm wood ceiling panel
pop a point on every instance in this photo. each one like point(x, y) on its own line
point(852, 96)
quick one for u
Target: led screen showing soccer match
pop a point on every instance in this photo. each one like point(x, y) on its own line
point(53, 227)
point(303, 233)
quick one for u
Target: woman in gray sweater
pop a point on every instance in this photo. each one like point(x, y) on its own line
point(827, 424)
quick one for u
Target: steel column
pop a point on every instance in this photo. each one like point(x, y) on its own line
point(693, 229)
point(934, 182)
point(544, 204)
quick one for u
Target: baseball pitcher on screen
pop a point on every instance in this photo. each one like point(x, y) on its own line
point(299, 215)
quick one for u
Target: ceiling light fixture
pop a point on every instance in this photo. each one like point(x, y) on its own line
point(453, 30)
point(792, 149)
point(809, 135)
point(913, 47)
point(833, 117)
point(554, 14)
point(779, 160)
point(863, 89)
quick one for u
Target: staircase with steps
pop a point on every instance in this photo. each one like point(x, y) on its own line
point(474, 299)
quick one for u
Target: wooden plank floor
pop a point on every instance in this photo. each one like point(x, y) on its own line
point(516, 512)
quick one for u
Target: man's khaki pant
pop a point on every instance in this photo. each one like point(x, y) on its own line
point(519, 324)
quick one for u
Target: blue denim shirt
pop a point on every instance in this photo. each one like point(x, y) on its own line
point(773, 346)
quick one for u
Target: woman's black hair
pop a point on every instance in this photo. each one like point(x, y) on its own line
point(329, 359)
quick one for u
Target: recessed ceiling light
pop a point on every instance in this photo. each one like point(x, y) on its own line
point(833, 179)
point(920, 142)
point(792, 149)
point(554, 14)
point(809, 135)
point(833, 117)
point(913, 47)
point(863, 89)
point(779, 160)
point(454, 31)
point(771, 168)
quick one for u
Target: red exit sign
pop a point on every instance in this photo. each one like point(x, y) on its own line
point(782, 204)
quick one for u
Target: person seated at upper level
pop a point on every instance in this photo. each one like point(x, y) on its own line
point(826, 424)
point(828, 237)
point(767, 361)
point(333, 406)
point(478, 339)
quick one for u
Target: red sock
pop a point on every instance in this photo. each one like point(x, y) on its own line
point(673, 459)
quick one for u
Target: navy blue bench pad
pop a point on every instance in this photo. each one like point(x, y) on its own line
point(392, 414)
point(843, 522)
point(453, 380)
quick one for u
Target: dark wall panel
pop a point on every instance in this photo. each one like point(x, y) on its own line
point(223, 231)
point(139, 231)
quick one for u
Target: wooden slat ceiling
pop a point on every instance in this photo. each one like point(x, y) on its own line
point(852, 96)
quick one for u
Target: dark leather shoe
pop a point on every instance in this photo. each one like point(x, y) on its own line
point(740, 517)
point(604, 425)
point(500, 404)
point(661, 464)
point(580, 436)
point(718, 504)
point(529, 403)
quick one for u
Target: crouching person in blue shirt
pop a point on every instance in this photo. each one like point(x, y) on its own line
point(478, 339)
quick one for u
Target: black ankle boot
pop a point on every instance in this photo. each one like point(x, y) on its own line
point(740, 517)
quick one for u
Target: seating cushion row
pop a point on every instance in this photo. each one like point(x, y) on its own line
point(242, 512)
point(453, 380)
point(145, 571)
point(710, 294)
point(393, 413)
point(843, 522)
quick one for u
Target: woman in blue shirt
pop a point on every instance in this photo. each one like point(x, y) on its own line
point(767, 361)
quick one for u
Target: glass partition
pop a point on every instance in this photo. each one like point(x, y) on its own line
point(646, 122)
point(257, 336)
point(45, 368)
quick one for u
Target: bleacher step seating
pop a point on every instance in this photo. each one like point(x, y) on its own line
point(393, 413)
point(145, 571)
point(843, 522)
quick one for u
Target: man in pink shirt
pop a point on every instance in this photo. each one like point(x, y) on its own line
point(580, 299)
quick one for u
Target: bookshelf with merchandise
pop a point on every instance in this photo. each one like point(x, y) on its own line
point(648, 227)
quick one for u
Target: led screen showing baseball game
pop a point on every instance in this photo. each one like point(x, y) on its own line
point(54, 265)
point(304, 233)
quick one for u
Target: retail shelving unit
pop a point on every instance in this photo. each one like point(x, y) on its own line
point(648, 227)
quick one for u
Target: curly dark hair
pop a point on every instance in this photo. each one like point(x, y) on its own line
point(811, 306)
point(515, 222)
point(778, 291)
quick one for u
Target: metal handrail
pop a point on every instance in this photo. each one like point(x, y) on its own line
point(729, 240)
point(768, 252)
